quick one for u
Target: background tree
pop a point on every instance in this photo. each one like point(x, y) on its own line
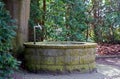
point(80, 20)
point(63, 18)
point(106, 20)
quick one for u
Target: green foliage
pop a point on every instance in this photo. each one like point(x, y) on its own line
point(35, 13)
point(111, 28)
point(66, 20)
point(7, 32)
point(7, 29)
point(7, 65)
point(107, 22)
point(78, 20)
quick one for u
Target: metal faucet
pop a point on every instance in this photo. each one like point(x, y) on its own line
point(38, 26)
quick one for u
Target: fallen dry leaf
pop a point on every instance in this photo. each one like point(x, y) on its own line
point(108, 49)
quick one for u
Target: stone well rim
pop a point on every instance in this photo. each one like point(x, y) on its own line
point(61, 44)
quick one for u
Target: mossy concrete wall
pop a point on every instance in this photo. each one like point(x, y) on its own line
point(60, 57)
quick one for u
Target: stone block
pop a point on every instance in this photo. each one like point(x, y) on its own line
point(67, 60)
point(87, 59)
point(47, 60)
point(31, 67)
point(37, 67)
point(70, 60)
point(74, 52)
point(60, 52)
point(91, 51)
point(81, 60)
point(43, 52)
point(68, 52)
point(74, 60)
point(92, 66)
point(30, 59)
point(84, 68)
point(73, 67)
point(52, 52)
point(82, 52)
point(92, 58)
point(30, 51)
point(59, 60)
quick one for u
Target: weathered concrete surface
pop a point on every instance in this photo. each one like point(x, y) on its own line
point(62, 57)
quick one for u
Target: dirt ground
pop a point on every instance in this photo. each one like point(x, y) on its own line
point(107, 68)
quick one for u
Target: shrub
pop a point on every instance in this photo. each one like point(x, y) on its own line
point(7, 31)
point(7, 65)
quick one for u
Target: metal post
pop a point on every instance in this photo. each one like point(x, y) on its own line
point(35, 32)
point(34, 35)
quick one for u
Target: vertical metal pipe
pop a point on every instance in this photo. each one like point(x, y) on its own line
point(35, 32)
point(34, 35)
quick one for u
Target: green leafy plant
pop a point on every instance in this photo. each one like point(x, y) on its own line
point(7, 65)
point(106, 21)
point(7, 32)
point(63, 20)
point(77, 20)
point(66, 20)
point(7, 29)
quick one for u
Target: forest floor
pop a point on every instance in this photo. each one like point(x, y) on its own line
point(108, 49)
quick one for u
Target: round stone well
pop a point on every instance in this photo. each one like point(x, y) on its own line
point(60, 56)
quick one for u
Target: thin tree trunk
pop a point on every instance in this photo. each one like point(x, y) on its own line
point(44, 11)
point(95, 28)
point(43, 20)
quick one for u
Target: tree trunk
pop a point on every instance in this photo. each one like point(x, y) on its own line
point(43, 20)
point(96, 17)
point(19, 9)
